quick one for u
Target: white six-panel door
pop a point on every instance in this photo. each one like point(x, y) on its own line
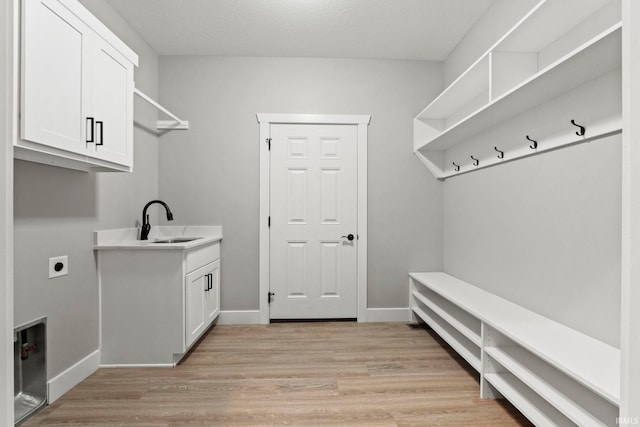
point(313, 209)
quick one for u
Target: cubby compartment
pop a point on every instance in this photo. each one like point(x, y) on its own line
point(463, 97)
point(573, 399)
point(547, 35)
point(457, 327)
point(462, 321)
point(460, 343)
point(535, 408)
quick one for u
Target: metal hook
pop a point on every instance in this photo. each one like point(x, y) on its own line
point(582, 129)
point(457, 167)
point(476, 162)
point(535, 143)
point(501, 153)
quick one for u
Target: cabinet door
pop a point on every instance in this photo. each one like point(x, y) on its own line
point(112, 104)
point(196, 284)
point(212, 296)
point(54, 96)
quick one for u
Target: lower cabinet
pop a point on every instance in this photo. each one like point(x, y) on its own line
point(202, 300)
point(156, 303)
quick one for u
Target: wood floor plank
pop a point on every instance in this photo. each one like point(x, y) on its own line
point(295, 374)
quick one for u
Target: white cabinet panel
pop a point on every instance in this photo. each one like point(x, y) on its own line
point(111, 105)
point(201, 300)
point(53, 93)
point(212, 295)
point(156, 303)
point(195, 287)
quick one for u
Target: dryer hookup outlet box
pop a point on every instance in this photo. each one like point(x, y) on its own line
point(58, 266)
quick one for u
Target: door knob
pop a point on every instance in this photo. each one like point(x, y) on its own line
point(349, 237)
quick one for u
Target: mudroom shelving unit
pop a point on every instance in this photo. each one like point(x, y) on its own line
point(553, 374)
point(553, 80)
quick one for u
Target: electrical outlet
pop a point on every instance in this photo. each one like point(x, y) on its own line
point(58, 266)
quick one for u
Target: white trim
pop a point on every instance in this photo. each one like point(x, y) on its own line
point(399, 314)
point(265, 121)
point(239, 317)
point(138, 365)
point(362, 221)
point(630, 292)
point(265, 172)
point(8, 107)
point(72, 376)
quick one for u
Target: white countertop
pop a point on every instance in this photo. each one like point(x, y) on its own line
point(127, 238)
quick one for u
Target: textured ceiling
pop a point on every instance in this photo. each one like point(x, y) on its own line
point(395, 29)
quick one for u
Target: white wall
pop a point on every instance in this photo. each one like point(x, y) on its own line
point(56, 211)
point(210, 173)
point(544, 232)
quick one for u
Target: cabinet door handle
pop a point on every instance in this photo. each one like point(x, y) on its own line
point(89, 129)
point(210, 281)
point(206, 289)
point(101, 125)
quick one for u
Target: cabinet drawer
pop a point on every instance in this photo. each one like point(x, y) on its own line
point(198, 257)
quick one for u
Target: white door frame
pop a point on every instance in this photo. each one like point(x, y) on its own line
point(265, 121)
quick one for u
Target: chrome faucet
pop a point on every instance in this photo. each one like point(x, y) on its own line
point(146, 227)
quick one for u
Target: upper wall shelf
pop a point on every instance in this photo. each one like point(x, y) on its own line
point(544, 72)
point(175, 124)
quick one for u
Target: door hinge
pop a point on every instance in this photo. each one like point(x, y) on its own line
point(269, 143)
point(269, 222)
point(269, 295)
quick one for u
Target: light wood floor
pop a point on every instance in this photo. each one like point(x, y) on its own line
point(295, 374)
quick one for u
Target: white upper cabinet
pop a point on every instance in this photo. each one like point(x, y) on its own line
point(560, 63)
point(76, 106)
point(112, 106)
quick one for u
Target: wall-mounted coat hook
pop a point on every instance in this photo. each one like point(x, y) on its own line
point(535, 143)
point(582, 128)
point(456, 167)
point(476, 162)
point(500, 153)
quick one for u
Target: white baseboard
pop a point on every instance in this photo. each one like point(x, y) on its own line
point(138, 365)
point(239, 317)
point(72, 376)
point(401, 314)
point(252, 317)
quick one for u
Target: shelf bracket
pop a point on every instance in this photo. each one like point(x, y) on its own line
point(175, 124)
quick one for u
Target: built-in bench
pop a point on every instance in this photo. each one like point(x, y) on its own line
point(553, 374)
